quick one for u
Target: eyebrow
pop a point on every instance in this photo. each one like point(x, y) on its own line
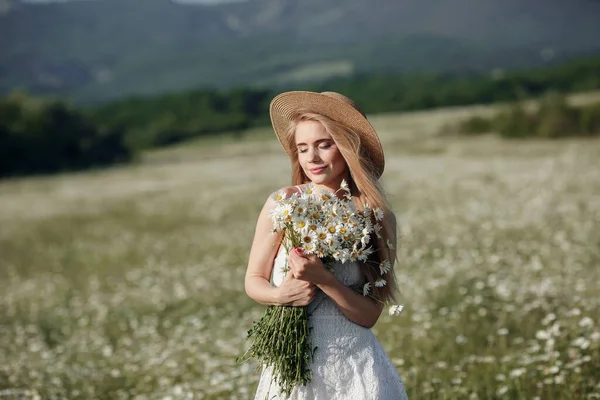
point(317, 142)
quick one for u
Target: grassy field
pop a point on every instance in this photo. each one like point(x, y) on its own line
point(128, 282)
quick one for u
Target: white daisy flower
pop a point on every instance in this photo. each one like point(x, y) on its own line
point(307, 192)
point(344, 186)
point(377, 229)
point(322, 233)
point(362, 255)
point(332, 229)
point(366, 288)
point(301, 225)
point(365, 239)
point(308, 238)
point(378, 213)
point(380, 282)
point(396, 309)
point(366, 211)
point(385, 266)
point(332, 244)
point(326, 195)
point(279, 195)
point(300, 209)
point(286, 210)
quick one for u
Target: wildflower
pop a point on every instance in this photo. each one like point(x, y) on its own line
point(321, 233)
point(586, 322)
point(581, 342)
point(344, 186)
point(286, 210)
point(365, 240)
point(384, 267)
point(301, 224)
point(380, 282)
point(460, 339)
point(378, 213)
point(548, 318)
point(502, 390)
point(396, 309)
point(553, 369)
point(574, 312)
point(542, 335)
point(517, 372)
point(279, 195)
point(366, 288)
point(377, 229)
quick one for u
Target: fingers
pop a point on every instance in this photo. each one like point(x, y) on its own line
point(289, 275)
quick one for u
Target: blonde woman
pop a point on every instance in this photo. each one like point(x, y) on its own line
point(329, 139)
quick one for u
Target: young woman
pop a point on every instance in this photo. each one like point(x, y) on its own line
point(329, 139)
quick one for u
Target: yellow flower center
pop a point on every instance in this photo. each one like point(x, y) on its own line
point(301, 224)
point(307, 239)
point(331, 229)
point(322, 236)
point(313, 227)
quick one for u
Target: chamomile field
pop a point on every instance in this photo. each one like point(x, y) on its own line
point(127, 283)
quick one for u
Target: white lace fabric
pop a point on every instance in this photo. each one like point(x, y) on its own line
point(349, 362)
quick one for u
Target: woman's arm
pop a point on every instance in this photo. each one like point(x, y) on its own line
point(359, 309)
point(262, 255)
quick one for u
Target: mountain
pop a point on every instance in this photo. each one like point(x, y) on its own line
point(97, 50)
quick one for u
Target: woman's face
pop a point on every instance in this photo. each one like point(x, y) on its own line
point(319, 156)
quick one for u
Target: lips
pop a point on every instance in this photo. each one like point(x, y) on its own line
point(317, 170)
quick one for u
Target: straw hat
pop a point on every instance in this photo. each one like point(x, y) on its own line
point(334, 106)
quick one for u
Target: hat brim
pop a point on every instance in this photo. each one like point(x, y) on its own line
point(285, 105)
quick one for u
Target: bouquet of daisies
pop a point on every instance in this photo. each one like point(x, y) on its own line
point(332, 228)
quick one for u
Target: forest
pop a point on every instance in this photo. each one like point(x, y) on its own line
point(46, 135)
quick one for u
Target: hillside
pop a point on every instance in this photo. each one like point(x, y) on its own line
point(103, 49)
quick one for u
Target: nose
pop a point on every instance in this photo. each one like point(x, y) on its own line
point(314, 155)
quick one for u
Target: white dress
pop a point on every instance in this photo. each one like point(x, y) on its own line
point(349, 362)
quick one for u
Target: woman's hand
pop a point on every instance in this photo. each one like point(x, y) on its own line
point(295, 292)
point(308, 267)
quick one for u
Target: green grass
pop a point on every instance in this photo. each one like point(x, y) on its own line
point(128, 282)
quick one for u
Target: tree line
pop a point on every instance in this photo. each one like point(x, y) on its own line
point(170, 118)
point(40, 136)
point(553, 118)
point(49, 135)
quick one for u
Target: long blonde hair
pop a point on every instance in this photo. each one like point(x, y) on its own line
point(365, 189)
